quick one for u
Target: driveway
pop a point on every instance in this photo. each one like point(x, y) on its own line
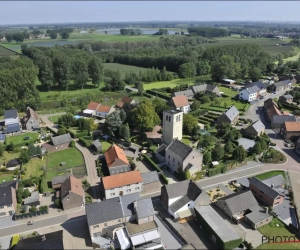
point(253, 236)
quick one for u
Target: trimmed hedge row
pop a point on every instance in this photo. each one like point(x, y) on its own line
point(211, 116)
point(161, 95)
point(289, 106)
point(203, 121)
point(217, 170)
point(147, 95)
point(206, 118)
point(74, 134)
point(84, 142)
point(158, 169)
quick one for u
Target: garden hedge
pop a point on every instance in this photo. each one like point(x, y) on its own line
point(156, 167)
point(161, 95)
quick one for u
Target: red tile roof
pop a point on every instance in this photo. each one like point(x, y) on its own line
point(103, 109)
point(122, 179)
point(292, 126)
point(71, 185)
point(93, 105)
point(180, 101)
point(113, 153)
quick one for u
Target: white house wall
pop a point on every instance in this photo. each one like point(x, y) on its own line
point(171, 201)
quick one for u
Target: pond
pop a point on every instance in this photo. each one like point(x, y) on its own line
point(145, 31)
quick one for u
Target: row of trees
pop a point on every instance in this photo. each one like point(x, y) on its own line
point(57, 68)
point(208, 32)
point(131, 32)
point(17, 84)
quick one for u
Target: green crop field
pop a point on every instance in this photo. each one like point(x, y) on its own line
point(7, 52)
point(123, 68)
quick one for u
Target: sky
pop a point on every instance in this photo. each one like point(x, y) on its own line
point(30, 12)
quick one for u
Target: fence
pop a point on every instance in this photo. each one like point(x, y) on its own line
point(31, 215)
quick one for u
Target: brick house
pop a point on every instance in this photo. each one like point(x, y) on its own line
point(264, 193)
point(72, 193)
point(290, 130)
point(116, 160)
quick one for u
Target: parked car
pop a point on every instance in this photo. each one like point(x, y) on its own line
point(30, 223)
point(287, 145)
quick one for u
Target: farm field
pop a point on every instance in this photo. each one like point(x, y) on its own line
point(123, 68)
point(19, 139)
point(7, 52)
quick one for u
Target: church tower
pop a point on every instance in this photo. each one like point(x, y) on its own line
point(172, 126)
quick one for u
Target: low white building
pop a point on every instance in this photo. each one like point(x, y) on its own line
point(249, 94)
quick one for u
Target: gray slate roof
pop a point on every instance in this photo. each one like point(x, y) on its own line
point(61, 139)
point(6, 196)
point(253, 89)
point(232, 113)
point(162, 150)
point(217, 223)
point(59, 179)
point(2, 137)
point(239, 201)
point(180, 149)
point(280, 119)
point(258, 214)
point(277, 181)
point(204, 87)
point(282, 83)
point(12, 113)
point(179, 203)
point(288, 96)
point(33, 198)
point(258, 125)
point(52, 241)
point(111, 209)
point(264, 187)
point(97, 143)
point(150, 177)
point(187, 93)
point(10, 128)
point(259, 84)
point(144, 208)
point(9, 184)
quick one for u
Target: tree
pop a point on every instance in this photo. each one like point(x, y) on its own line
point(80, 72)
point(18, 37)
point(207, 158)
point(25, 194)
point(160, 106)
point(224, 67)
point(36, 32)
point(239, 154)
point(195, 105)
point(67, 120)
point(217, 153)
point(61, 70)
point(123, 115)
point(206, 141)
point(9, 37)
point(144, 117)
point(254, 74)
point(140, 87)
point(1, 149)
point(83, 124)
point(53, 35)
point(65, 35)
point(24, 156)
point(257, 148)
point(61, 131)
point(115, 83)
point(11, 147)
point(45, 70)
point(113, 122)
point(187, 70)
point(189, 123)
point(124, 132)
point(95, 69)
point(229, 147)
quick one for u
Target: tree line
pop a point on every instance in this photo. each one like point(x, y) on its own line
point(131, 32)
point(208, 32)
point(17, 84)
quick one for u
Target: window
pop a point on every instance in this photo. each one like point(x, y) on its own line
point(1, 214)
point(178, 118)
point(112, 189)
point(128, 190)
point(105, 224)
point(96, 226)
point(137, 188)
point(96, 234)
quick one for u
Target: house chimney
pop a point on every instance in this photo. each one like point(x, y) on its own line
point(272, 186)
point(43, 238)
point(267, 210)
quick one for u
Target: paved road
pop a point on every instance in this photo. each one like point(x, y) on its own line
point(41, 223)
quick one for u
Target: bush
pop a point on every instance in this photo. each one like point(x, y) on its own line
point(72, 144)
point(84, 142)
point(42, 184)
point(26, 194)
point(14, 241)
point(32, 209)
point(272, 144)
point(152, 163)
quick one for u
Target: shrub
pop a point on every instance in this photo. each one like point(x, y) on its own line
point(72, 144)
point(42, 184)
point(26, 194)
point(272, 144)
point(84, 142)
point(32, 209)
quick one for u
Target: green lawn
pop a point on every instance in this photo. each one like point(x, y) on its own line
point(186, 140)
point(20, 138)
point(54, 119)
point(228, 91)
point(33, 168)
point(105, 145)
point(269, 175)
point(71, 156)
point(7, 52)
point(174, 83)
point(6, 177)
point(7, 157)
point(272, 230)
point(123, 68)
